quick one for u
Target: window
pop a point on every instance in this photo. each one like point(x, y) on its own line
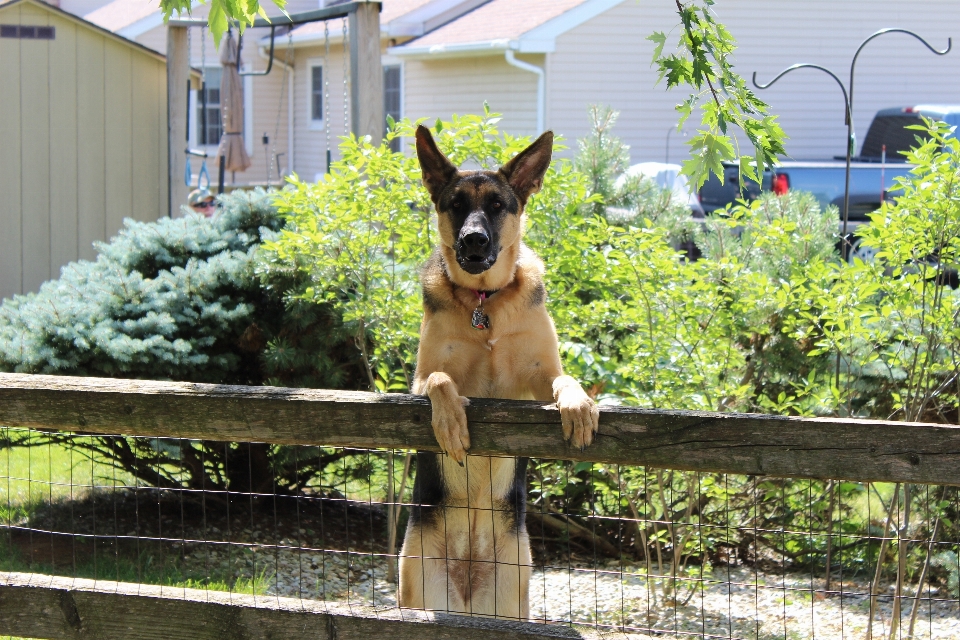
point(392, 98)
point(316, 93)
point(209, 127)
point(27, 32)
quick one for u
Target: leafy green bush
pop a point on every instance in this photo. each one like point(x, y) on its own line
point(892, 322)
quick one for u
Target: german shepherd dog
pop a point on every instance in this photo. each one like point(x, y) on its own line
point(486, 334)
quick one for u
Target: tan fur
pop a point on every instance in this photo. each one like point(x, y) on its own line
point(470, 560)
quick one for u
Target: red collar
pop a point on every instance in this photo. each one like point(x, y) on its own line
point(483, 295)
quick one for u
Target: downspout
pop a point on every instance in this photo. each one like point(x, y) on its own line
point(290, 138)
point(541, 86)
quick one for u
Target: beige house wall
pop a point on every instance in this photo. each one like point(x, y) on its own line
point(606, 60)
point(310, 137)
point(84, 144)
point(599, 62)
point(267, 98)
point(440, 88)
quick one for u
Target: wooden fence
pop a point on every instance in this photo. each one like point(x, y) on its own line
point(43, 606)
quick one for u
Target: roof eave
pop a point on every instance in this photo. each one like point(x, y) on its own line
point(541, 39)
point(472, 49)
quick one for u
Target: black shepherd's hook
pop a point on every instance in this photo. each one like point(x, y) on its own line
point(808, 65)
point(848, 99)
point(881, 32)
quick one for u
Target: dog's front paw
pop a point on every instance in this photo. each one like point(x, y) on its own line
point(579, 415)
point(450, 426)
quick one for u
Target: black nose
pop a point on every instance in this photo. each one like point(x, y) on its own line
point(476, 242)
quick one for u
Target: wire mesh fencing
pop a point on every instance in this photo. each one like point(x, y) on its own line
point(635, 550)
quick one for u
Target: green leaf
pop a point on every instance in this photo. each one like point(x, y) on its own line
point(708, 152)
point(659, 39)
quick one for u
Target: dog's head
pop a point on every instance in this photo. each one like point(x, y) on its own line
point(480, 212)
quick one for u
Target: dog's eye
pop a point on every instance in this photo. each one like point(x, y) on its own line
point(456, 204)
point(496, 204)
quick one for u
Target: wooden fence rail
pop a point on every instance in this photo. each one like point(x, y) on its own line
point(864, 450)
point(44, 606)
point(72, 609)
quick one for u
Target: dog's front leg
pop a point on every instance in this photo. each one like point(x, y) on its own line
point(579, 414)
point(449, 418)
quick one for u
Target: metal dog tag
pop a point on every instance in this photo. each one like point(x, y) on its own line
point(480, 320)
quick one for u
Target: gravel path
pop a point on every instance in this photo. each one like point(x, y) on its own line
point(729, 603)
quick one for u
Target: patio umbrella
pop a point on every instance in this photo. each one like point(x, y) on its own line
point(231, 104)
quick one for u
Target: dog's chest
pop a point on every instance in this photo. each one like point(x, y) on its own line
point(495, 365)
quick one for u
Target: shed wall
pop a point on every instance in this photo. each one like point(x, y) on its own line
point(84, 145)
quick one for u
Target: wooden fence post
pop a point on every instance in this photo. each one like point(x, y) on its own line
point(366, 73)
point(178, 74)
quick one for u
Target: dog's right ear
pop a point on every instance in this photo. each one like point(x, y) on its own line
point(437, 170)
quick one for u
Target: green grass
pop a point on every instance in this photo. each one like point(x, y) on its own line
point(149, 567)
point(32, 476)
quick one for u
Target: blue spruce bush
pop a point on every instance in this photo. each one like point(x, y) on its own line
point(181, 299)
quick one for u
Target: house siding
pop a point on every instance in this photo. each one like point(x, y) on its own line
point(440, 88)
point(310, 144)
point(894, 70)
point(269, 101)
point(606, 60)
point(599, 62)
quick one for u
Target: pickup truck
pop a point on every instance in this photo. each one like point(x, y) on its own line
point(872, 173)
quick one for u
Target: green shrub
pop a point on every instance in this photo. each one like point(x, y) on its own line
point(893, 322)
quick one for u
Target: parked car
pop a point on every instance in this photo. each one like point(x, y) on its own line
point(666, 176)
point(872, 173)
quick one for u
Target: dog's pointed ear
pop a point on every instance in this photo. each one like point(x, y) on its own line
point(437, 170)
point(525, 172)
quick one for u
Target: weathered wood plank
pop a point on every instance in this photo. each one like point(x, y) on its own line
point(41, 606)
point(866, 450)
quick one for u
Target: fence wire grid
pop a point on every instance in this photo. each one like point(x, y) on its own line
point(652, 552)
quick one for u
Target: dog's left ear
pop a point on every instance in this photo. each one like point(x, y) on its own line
point(525, 172)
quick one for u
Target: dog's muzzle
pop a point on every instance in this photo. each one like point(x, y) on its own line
point(475, 250)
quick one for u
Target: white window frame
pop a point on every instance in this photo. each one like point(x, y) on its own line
point(314, 125)
point(211, 149)
point(248, 109)
point(394, 61)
